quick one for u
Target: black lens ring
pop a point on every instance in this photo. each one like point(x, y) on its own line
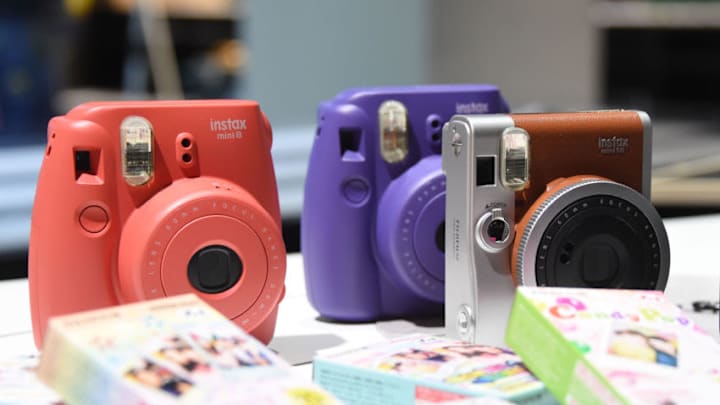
point(609, 230)
point(556, 204)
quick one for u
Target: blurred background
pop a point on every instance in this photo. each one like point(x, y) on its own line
point(659, 56)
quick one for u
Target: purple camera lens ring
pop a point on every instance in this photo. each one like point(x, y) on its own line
point(400, 208)
point(430, 219)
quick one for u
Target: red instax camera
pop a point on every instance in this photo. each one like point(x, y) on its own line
point(141, 200)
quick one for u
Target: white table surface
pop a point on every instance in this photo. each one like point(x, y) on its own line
point(694, 275)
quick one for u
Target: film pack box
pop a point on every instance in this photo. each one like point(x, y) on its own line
point(175, 350)
point(427, 369)
point(597, 346)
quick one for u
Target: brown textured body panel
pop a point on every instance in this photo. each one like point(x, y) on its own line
point(569, 144)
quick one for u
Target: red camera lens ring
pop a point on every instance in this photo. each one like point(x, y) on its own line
point(229, 232)
point(197, 206)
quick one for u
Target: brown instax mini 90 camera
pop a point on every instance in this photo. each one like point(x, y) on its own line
point(559, 199)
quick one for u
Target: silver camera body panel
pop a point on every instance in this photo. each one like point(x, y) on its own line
point(468, 211)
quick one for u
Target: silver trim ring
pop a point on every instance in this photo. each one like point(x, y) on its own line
point(560, 199)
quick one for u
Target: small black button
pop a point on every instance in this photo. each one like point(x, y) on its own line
point(214, 269)
point(484, 170)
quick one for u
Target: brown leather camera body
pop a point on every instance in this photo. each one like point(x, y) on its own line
point(609, 144)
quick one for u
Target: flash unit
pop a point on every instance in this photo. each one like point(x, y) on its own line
point(514, 158)
point(136, 149)
point(392, 116)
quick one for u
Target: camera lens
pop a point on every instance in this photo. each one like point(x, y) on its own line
point(599, 241)
point(592, 232)
point(214, 269)
point(409, 230)
point(440, 237)
point(498, 230)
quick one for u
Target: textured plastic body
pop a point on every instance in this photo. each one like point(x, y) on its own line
point(97, 241)
point(370, 228)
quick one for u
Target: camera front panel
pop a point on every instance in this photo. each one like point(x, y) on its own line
point(228, 139)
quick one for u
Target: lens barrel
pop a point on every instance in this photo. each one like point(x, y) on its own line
point(593, 233)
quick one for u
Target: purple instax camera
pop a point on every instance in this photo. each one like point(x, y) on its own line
point(373, 230)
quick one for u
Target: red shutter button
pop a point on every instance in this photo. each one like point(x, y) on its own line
point(94, 219)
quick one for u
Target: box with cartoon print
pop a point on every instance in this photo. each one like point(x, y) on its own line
point(420, 368)
point(614, 346)
point(175, 350)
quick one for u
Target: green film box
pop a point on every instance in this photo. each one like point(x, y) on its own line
point(424, 369)
point(603, 346)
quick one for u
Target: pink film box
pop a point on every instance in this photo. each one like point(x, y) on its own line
point(596, 346)
point(175, 350)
